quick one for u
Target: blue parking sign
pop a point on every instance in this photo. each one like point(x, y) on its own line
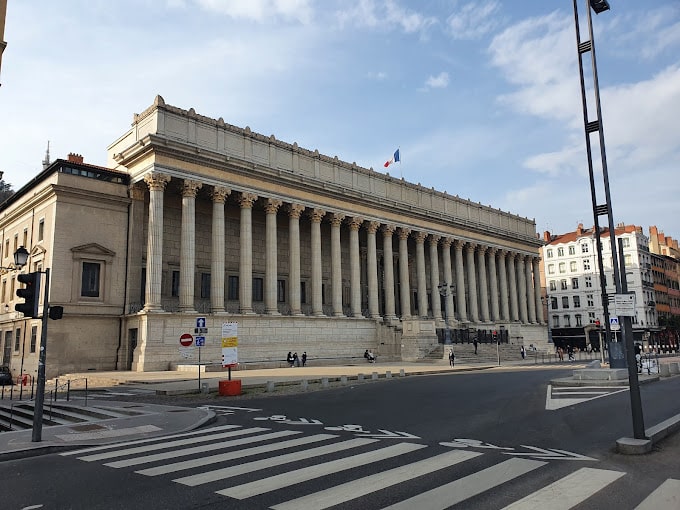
point(199, 341)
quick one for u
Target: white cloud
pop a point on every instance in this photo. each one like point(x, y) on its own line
point(385, 14)
point(441, 81)
point(262, 10)
point(647, 34)
point(474, 20)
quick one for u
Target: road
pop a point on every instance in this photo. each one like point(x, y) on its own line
point(476, 440)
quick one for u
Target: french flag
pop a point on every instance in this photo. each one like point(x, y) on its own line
point(394, 159)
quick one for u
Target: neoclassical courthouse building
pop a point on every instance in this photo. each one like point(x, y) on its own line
point(194, 217)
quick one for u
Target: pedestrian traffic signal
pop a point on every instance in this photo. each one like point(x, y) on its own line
point(31, 294)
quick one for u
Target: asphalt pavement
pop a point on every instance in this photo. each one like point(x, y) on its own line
point(138, 420)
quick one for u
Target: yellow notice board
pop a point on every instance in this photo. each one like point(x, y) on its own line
point(229, 344)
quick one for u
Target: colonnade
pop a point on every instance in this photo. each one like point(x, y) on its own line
point(492, 284)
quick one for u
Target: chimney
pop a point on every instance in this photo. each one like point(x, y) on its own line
point(653, 231)
point(669, 241)
point(579, 229)
point(546, 236)
point(75, 158)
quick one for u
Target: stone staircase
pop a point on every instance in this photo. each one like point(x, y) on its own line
point(18, 415)
point(486, 353)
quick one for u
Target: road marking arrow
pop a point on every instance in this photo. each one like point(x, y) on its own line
point(550, 454)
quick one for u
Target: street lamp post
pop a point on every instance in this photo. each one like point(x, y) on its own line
point(445, 291)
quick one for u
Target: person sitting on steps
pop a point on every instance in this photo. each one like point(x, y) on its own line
point(370, 357)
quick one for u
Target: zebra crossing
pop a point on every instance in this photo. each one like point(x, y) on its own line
point(558, 397)
point(240, 462)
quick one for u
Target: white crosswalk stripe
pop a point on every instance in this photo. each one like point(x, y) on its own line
point(226, 444)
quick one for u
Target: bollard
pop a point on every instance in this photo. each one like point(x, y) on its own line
point(402, 373)
point(324, 382)
point(388, 375)
point(343, 380)
point(270, 386)
point(374, 375)
point(360, 377)
point(304, 384)
point(205, 388)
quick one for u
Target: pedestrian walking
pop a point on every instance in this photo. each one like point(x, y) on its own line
point(475, 344)
point(523, 352)
point(290, 359)
point(452, 357)
point(304, 358)
point(560, 354)
point(296, 360)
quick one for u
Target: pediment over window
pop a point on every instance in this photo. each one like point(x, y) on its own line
point(92, 250)
point(37, 252)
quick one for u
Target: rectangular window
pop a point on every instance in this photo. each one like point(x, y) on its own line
point(34, 337)
point(25, 237)
point(553, 285)
point(629, 259)
point(4, 290)
point(175, 284)
point(567, 323)
point(584, 248)
point(281, 291)
point(586, 265)
point(577, 301)
point(590, 300)
point(553, 303)
point(565, 301)
point(16, 242)
point(625, 242)
point(556, 321)
point(591, 317)
point(258, 289)
point(589, 281)
point(90, 281)
point(563, 284)
point(563, 268)
point(574, 283)
point(232, 288)
point(578, 320)
point(572, 250)
point(41, 229)
point(17, 339)
point(205, 285)
point(7, 248)
point(560, 252)
point(573, 267)
point(551, 268)
point(549, 253)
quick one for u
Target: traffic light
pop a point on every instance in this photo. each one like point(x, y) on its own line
point(30, 293)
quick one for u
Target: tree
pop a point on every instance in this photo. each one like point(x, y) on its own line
point(6, 190)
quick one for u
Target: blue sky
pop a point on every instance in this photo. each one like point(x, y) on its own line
point(482, 98)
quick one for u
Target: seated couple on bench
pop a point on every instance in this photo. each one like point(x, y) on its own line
point(370, 357)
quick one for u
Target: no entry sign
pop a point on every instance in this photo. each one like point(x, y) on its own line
point(186, 340)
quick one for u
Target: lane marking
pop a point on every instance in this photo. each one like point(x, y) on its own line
point(667, 495)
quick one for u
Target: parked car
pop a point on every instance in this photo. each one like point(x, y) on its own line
point(5, 376)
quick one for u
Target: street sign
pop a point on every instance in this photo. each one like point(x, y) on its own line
point(614, 324)
point(200, 331)
point(200, 322)
point(200, 341)
point(186, 340)
point(624, 304)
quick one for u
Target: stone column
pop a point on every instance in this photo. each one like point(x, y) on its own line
point(317, 302)
point(503, 275)
point(336, 264)
point(187, 259)
point(531, 298)
point(537, 291)
point(133, 282)
point(294, 212)
point(271, 247)
point(434, 278)
point(219, 196)
point(472, 281)
point(405, 287)
point(372, 261)
point(522, 289)
point(388, 261)
point(421, 276)
point(493, 284)
point(512, 291)
point(246, 201)
point(154, 243)
point(448, 279)
point(460, 280)
point(355, 265)
point(483, 286)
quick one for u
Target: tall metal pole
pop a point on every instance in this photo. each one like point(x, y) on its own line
point(627, 334)
point(40, 395)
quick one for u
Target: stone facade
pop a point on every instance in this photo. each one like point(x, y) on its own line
point(305, 252)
